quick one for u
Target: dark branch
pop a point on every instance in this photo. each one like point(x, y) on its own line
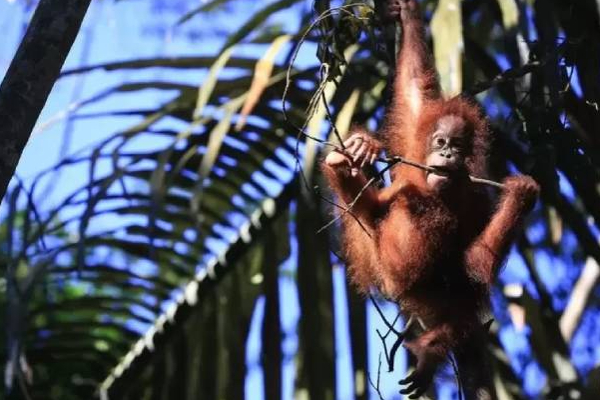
point(31, 75)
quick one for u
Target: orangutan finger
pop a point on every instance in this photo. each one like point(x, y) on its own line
point(409, 389)
point(373, 158)
point(354, 148)
point(408, 379)
point(361, 151)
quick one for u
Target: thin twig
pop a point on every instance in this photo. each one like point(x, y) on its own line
point(324, 78)
point(333, 203)
point(358, 196)
point(459, 386)
point(437, 171)
point(389, 355)
point(324, 15)
point(400, 336)
point(505, 76)
point(348, 210)
point(331, 121)
point(376, 387)
point(380, 312)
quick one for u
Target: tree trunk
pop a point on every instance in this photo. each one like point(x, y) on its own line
point(31, 75)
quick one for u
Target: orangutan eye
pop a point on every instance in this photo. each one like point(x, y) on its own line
point(457, 142)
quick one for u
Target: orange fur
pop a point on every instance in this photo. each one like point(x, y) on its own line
point(437, 255)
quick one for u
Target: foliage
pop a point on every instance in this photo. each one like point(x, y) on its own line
point(177, 238)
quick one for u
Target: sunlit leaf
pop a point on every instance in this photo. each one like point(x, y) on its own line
point(446, 28)
point(315, 116)
point(209, 83)
point(262, 73)
point(208, 6)
point(510, 13)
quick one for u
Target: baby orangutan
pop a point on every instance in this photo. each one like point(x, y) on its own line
point(431, 241)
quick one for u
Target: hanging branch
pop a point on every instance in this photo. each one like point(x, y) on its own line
point(400, 335)
point(438, 171)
